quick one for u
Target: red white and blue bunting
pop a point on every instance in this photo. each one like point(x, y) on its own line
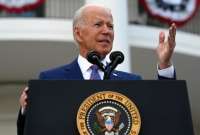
point(178, 11)
point(19, 6)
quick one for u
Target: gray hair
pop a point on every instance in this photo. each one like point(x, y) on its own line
point(78, 17)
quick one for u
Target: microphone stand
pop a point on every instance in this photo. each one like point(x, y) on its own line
point(116, 58)
point(107, 73)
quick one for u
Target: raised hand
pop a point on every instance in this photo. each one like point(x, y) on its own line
point(165, 48)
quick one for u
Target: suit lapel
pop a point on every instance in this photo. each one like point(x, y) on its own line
point(73, 71)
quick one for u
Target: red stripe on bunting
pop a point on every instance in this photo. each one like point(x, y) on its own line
point(27, 7)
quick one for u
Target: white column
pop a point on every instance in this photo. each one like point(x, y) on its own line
point(119, 11)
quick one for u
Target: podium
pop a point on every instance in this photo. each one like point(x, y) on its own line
point(163, 106)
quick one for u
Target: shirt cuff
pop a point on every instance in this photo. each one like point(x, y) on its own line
point(167, 72)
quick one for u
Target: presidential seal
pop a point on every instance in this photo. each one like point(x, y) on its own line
point(108, 113)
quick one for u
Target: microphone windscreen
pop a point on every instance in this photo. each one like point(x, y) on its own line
point(117, 54)
point(93, 57)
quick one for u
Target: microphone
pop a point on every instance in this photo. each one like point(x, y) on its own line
point(94, 58)
point(116, 58)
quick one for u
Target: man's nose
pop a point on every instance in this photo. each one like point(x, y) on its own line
point(106, 29)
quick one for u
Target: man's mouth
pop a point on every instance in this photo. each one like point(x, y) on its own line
point(104, 41)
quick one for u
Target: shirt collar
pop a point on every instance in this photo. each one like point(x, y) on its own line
point(85, 64)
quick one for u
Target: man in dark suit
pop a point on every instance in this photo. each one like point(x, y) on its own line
point(93, 30)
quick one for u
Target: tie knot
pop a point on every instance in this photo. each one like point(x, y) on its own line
point(94, 68)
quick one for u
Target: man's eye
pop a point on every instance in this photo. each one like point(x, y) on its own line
point(97, 24)
point(110, 26)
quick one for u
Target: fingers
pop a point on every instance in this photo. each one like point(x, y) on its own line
point(23, 98)
point(161, 38)
point(26, 89)
point(172, 36)
point(173, 29)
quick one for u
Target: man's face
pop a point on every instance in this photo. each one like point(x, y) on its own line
point(96, 34)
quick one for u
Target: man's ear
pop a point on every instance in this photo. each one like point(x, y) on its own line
point(78, 34)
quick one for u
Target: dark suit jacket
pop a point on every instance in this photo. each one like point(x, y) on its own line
point(72, 72)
